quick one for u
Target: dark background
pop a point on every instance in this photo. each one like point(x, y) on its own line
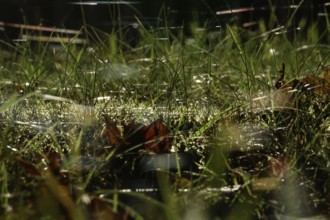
point(153, 13)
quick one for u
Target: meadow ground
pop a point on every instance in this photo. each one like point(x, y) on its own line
point(248, 109)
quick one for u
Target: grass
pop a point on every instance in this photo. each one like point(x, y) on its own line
point(215, 91)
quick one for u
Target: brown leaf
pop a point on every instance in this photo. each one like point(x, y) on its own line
point(157, 137)
point(314, 85)
point(54, 163)
point(29, 168)
point(111, 132)
point(101, 209)
point(136, 136)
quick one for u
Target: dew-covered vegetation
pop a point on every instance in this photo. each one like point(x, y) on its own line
point(245, 114)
